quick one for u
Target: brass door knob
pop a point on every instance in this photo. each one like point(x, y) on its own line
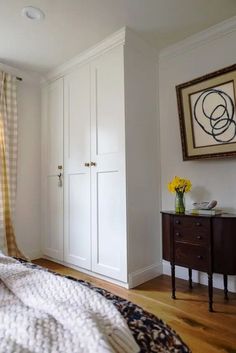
point(93, 164)
point(87, 164)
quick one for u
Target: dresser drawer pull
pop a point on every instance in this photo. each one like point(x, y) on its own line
point(177, 221)
point(199, 237)
point(198, 224)
point(178, 234)
point(200, 257)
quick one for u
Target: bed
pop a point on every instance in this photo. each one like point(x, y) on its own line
point(45, 312)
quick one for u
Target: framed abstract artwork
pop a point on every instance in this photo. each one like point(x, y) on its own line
point(207, 115)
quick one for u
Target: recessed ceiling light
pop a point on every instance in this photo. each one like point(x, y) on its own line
point(33, 13)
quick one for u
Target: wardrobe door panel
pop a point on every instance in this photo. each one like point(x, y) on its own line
point(79, 219)
point(110, 219)
point(54, 239)
point(77, 232)
point(52, 189)
point(55, 126)
point(108, 168)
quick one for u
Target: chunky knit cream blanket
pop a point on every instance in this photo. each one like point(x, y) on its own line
point(44, 313)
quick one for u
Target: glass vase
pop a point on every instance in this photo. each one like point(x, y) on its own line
point(179, 202)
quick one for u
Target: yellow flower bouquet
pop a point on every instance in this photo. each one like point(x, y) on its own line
point(179, 186)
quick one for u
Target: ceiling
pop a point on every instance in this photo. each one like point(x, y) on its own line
point(72, 26)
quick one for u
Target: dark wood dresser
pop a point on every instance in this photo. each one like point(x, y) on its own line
point(203, 243)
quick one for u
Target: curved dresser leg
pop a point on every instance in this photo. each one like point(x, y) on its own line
point(173, 280)
point(210, 291)
point(190, 278)
point(226, 287)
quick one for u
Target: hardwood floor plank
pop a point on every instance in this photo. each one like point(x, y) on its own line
point(188, 315)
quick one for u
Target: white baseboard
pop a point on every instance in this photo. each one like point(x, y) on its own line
point(144, 274)
point(87, 272)
point(34, 254)
point(135, 278)
point(200, 277)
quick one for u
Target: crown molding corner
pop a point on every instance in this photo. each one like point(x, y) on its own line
point(140, 44)
point(27, 76)
point(117, 38)
point(212, 33)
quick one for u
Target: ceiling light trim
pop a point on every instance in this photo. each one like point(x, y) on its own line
point(33, 13)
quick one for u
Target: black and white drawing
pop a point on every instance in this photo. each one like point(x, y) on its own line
point(213, 115)
point(207, 115)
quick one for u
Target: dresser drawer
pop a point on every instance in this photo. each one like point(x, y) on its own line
point(193, 230)
point(192, 256)
point(191, 237)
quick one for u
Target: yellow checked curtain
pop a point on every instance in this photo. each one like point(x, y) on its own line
point(8, 163)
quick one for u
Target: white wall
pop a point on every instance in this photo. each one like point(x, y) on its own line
point(197, 56)
point(27, 219)
point(27, 216)
point(142, 158)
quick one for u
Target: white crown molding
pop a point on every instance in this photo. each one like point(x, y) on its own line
point(212, 33)
point(115, 39)
point(29, 77)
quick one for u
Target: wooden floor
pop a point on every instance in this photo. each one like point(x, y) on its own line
point(204, 332)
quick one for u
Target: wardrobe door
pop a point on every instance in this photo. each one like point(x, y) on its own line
point(53, 161)
point(77, 232)
point(108, 165)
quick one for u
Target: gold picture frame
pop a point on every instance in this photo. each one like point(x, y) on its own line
point(207, 115)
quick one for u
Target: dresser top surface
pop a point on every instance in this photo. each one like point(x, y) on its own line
point(222, 215)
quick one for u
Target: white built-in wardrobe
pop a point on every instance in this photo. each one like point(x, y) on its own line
point(100, 157)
